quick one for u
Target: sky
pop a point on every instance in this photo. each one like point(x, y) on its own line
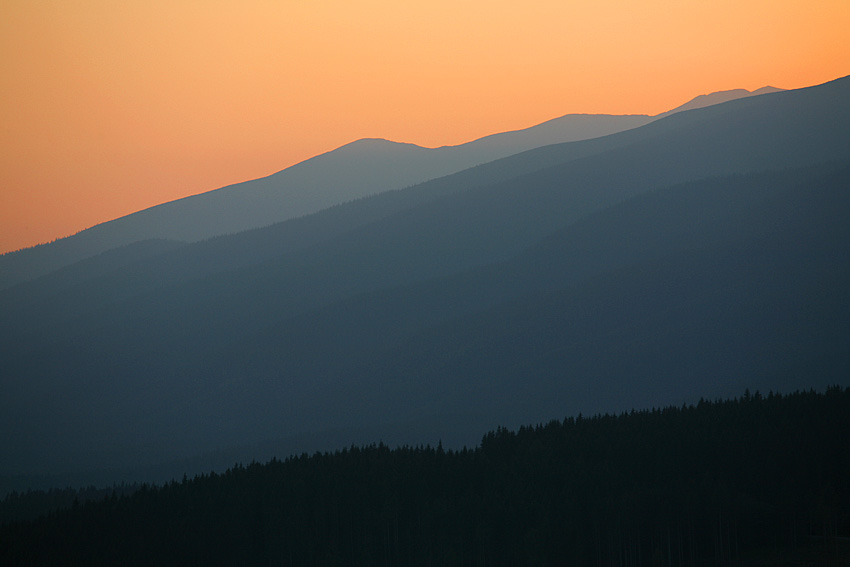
point(111, 107)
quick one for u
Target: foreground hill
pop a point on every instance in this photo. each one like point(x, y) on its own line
point(754, 481)
point(355, 170)
point(700, 254)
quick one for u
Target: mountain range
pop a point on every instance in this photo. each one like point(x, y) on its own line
point(361, 168)
point(699, 254)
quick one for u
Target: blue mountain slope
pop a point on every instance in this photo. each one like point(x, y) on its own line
point(362, 168)
point(465, 300)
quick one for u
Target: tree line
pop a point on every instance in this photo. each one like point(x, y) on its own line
point(757, 478)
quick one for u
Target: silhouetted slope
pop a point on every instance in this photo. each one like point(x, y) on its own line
point(346, 359)
point(568, 128)
point(674, 293)
point(702, 101)
point(265, 334)
point(361, 168)
point(675, 149)
point(355, 170)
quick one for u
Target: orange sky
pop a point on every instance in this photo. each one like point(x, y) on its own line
point(108, 107)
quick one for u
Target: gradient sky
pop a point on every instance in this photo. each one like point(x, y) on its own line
point(108, 107)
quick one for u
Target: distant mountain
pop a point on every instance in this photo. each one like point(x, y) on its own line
point(358, 169)
point(361, 168)
point(697, 255)
point(718, 97)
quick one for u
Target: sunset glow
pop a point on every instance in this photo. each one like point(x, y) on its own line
point(111, 107)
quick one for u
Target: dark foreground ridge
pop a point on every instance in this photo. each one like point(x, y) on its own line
point(752, 481)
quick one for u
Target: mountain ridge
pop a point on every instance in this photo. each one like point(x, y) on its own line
point(718, 97)
point(308, 186)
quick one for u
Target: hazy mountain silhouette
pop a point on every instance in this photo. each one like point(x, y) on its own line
point(355, 170)
point(697, 255)
point(718, 97)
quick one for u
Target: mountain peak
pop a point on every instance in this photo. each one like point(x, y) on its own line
point(766, 90)
point(374, 143)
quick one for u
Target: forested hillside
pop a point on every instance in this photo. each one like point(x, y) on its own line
point(760, 480)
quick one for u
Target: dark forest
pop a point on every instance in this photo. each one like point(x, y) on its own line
point(761, 479)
